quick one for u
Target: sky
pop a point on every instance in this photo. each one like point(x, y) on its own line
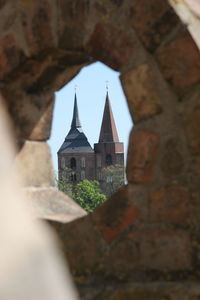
point(90, 86)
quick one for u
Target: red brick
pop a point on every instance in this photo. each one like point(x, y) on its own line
point(142, 154)
point(180, 62)
point(116, 215)
point(31, 114)
point(74, 17)
point(33, 162)
point(170, 205)
point(197, 171)
point(110, 45)
point(82, 244)
point(10, 55)
point(36, 17)
point(152, 249)
point(143, 103)
point(2, 3)
point(191, 126)
point(152, 20)
point(141, 290)
point(172, 157)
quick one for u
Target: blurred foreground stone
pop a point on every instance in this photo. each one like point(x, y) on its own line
point(51, 204)
point(31, 266)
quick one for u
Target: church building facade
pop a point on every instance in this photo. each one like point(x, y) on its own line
point(78, 160)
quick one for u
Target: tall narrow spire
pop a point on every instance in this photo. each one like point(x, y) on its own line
point(108, 131)
point(75, 141)
point(75, 120)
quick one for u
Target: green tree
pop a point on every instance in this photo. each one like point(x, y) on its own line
point(87, 194)
point(113, 178)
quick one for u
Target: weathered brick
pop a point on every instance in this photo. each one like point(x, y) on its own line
point(64, 77)
point(110, 45)
point(33, 162)
point(172, 161)
point(31, 114)
point(153, 250)
point(73, 23)
point(152, 20)
point(179, 61)
point(192, 125)
point(82, 245)
point(151, 291)
point(116, 215)
point(143, 102)
point(131, 294)
point(54, 77)
point(2, 3)
point(118, 3)
point(197, 171)
point(36, 18)
point(143, 145)
point(11, 55)
point(170, 205)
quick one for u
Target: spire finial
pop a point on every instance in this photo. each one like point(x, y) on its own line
point(107, 85)
point(75, 87)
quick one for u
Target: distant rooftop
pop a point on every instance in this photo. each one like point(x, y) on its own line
point(76, 141)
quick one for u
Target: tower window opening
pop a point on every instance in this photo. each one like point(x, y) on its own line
point(73, 163)
point(108, 159)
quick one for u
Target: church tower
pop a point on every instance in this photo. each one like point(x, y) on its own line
point(109, 151)
point(76, 154)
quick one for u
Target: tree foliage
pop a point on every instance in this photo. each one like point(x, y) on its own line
point(87, 194)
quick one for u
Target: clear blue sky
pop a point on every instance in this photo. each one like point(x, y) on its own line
point(91, 93)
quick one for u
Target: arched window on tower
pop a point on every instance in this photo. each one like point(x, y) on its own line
point(73, 163)
point(108, 159)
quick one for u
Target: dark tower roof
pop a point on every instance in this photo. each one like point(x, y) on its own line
point(75, 120)
point(108, 131)
point(75, 141)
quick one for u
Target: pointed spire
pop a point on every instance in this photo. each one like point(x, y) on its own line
point(75, 120)
point(108, 131)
